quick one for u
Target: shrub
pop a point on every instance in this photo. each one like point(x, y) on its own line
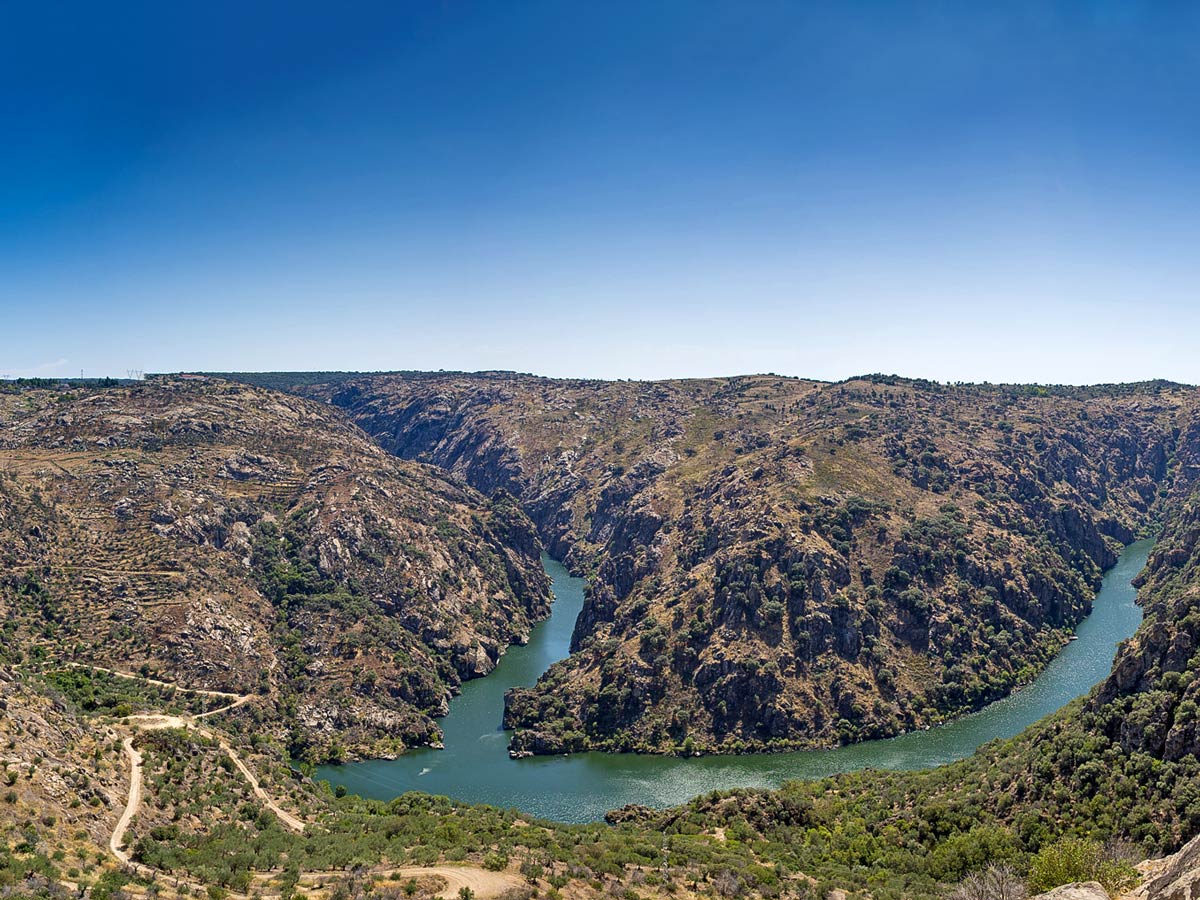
point(1072, 859)
point(726, 884)
point(997, 882)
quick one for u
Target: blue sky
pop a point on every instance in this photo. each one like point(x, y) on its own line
point(1003, 192)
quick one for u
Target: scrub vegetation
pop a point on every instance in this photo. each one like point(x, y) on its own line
point(342, 601)
point(775, 563)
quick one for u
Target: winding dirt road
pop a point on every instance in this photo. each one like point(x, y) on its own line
point(280, 813)
point(117, 841)
point(165, 684)
point(483, 883)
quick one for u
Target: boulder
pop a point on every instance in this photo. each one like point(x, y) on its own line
point(1080, 890)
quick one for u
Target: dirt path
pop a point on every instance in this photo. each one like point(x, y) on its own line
point(104, 570)
point(280, 813)
point(159, 721)
point(166, 684)
point(234, 705)
point(117, 840)
point(483, 883)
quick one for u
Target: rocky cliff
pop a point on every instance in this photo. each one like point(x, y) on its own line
point(1150, 702)
point(1174, 877)
point(775, 562)
point(239, 539)
point(245, 540)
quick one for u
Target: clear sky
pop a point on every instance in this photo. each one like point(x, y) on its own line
point(959, 191)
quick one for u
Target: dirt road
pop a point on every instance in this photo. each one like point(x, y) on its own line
point(483, 883)
point(117, 840)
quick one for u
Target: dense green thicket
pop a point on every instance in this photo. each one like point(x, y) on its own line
point(23, 867)
point(1015, 391)
point(282, 381)
point(16, 385)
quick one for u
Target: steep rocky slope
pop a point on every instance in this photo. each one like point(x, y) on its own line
point(1120, 765)
point(776, 562)
point(1175, 877)
point(252, 541)
point(60, 783)
point(1151, 702)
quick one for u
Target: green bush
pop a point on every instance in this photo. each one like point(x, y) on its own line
point(1072, 859)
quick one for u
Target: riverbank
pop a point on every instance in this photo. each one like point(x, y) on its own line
point(475, 766)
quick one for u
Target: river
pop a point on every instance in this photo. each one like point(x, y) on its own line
point(475, 766)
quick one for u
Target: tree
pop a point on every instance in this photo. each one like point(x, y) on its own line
point(996, 882)
point(726, 884)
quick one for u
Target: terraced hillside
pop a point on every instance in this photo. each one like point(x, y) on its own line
point(255, 542)
point(218, 809)
point(777, 562)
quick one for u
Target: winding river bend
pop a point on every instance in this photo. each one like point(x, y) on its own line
point(475, 766)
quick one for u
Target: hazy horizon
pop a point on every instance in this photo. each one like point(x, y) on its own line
point(522, 374)
point(960, 193)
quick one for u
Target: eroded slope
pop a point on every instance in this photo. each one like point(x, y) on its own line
point(777, 562)
point(257, 542)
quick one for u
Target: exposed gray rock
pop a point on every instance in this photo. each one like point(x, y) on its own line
point(1177, 877)
point(1085, 890)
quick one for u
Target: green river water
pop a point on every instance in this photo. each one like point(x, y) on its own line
point(475, 766)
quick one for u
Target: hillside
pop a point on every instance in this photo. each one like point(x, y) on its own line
point(205, 539)
point(1095, 770)
point(233, 538)
point(783, 563)
point(1121, 765)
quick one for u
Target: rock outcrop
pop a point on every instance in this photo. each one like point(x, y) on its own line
point(1176, 877)
point(780, 563)
point(240, 539)
point(1084, 890)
